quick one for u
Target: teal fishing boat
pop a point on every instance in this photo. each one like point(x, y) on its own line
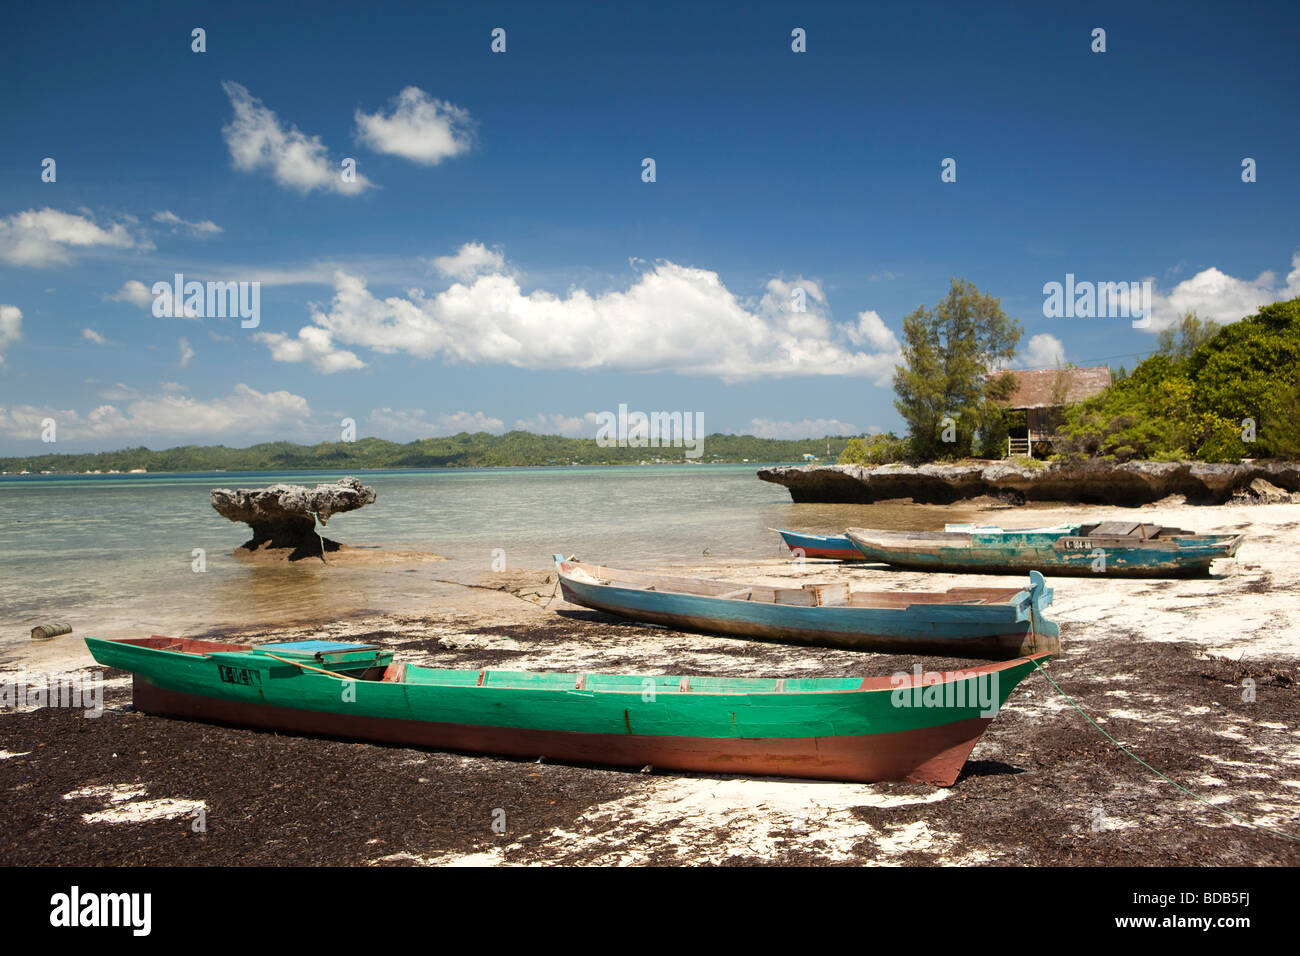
point(908, 726)
point(1111, 548)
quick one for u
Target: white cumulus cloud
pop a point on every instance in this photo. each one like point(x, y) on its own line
point(797, 306)
point(411, 423)
point(45, 237)
point(871, 330)
point(1215, 295)
point(1041, 351)
point(672, 318)
point(570, 426)
point(258, 140)
point(807, 428)
point(469, 422)
point(92, 336)
point(136, 293)
point(11, 327)
point(313, 344)
point(470, 260)
point(419, 128)
point(243, 413)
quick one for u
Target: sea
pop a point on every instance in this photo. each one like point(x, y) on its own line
point(117, 555)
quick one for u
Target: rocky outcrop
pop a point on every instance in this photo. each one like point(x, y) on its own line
point(1261, 492)
point(284, 516)
point(1087, 482)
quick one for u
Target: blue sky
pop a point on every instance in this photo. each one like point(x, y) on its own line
point(500, 260)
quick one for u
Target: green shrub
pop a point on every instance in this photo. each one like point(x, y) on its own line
point(875, 450)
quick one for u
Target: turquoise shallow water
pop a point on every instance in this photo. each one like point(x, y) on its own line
point(118, 549)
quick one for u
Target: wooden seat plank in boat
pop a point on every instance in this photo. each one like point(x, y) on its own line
point(1115, 528)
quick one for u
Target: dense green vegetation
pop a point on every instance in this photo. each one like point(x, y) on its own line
point(466, 450)
point(876, 450)
point(941, 387)
point(1209, 393)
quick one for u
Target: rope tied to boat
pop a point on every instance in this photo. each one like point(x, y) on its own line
point(554, 591)
point(1241, 820)
point(503, 590)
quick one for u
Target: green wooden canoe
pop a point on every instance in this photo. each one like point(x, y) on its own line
point(913, 726)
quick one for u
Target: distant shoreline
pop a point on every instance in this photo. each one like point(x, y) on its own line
point(516, 449)
point(413, 470)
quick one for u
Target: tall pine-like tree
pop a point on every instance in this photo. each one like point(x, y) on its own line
point(946, 354)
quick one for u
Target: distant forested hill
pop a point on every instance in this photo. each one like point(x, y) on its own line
point(466, 450)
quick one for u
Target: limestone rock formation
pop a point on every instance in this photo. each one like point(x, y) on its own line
point(284, 516)
point(1262, 492)
point(1089, 482)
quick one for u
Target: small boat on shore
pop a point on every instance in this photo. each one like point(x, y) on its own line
point(918, 727)
point(831, 547)
point(1111, 549)
point(838, 547)
point(994, 623)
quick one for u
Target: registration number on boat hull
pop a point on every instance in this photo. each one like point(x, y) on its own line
point(1075, 544)
point(248, 676)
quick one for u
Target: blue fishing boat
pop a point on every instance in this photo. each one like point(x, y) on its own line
point(832, 547)
point(997, 623)
point(1111, 548)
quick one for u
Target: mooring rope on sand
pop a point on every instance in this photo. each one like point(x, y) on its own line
point(502, 589)
point(554, 591)
point(1242, 820)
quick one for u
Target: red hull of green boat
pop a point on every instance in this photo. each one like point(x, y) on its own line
point(933, 755)
point(916, 726)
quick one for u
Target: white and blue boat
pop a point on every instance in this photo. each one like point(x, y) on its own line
point(1110, 548)
point(832, 547)
point(996, 623)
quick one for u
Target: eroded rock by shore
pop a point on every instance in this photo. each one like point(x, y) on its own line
point(1261, 492)
point(283, 517)
point(1087, 482)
